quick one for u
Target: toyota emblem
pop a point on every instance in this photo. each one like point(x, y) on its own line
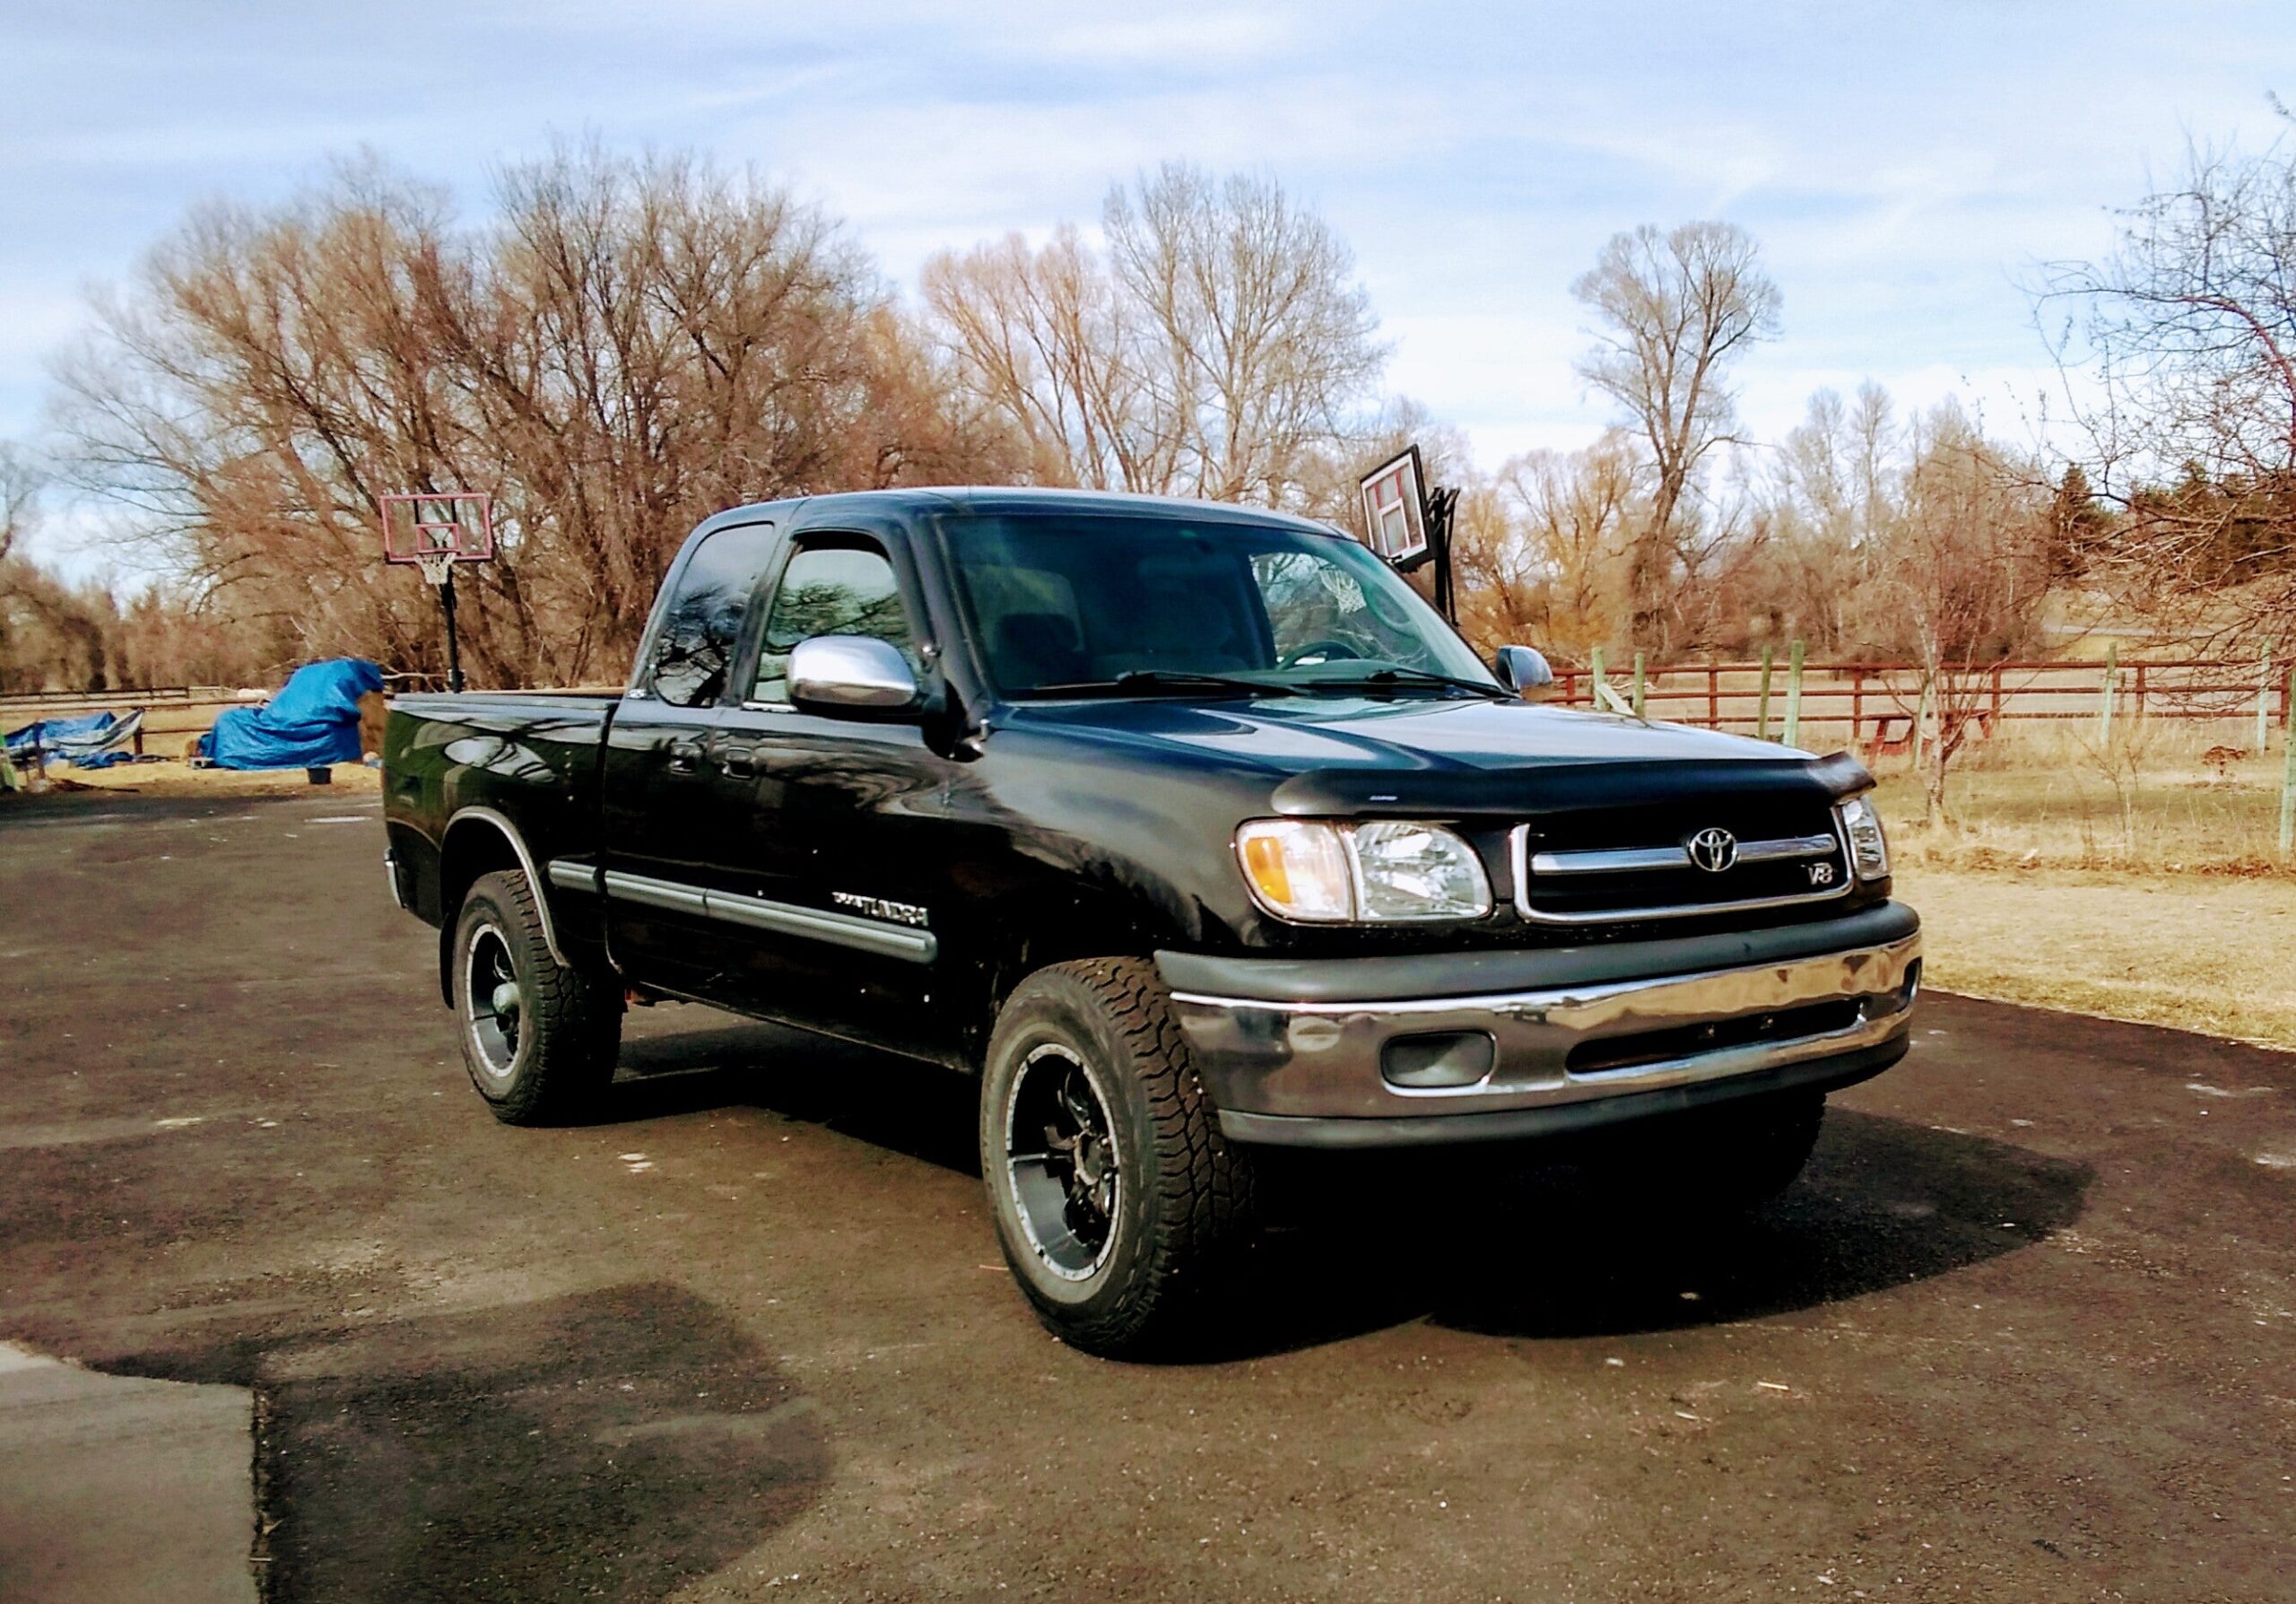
point(1713, 849)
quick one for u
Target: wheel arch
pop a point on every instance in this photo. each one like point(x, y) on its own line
point(479, 841)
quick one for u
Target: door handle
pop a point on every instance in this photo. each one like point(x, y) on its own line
point(740, 762)
point(685, 756)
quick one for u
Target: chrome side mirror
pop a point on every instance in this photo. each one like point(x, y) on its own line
point(852, 677)
point(1522, 668)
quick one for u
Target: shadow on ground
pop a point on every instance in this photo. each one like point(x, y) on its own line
point(609, 1444)
point(1514, 1242)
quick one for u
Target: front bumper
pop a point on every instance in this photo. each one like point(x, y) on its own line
point(1595, 1035)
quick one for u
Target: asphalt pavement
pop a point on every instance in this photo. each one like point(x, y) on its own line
point(2026, 1330)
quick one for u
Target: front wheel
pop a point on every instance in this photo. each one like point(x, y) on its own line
point(1114, 1193)
point(539, 1038)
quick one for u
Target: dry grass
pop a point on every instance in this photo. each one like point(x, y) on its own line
point(2137, 881)
point(2203, 954)
point(2050, 796)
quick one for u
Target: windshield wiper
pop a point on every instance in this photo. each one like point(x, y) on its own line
point(1384, 677)
point(1163, 679)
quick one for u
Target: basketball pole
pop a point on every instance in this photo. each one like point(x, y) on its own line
point(454, 646)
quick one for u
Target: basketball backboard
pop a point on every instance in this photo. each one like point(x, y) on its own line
point(426, 528)
point(1395, 509)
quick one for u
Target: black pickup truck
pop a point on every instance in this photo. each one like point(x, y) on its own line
point(1191, 830)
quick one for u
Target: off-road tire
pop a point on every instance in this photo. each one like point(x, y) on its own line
point(568, 1029)
point(1184, 1197)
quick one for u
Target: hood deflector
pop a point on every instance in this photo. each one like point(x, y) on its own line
point(1564, 786)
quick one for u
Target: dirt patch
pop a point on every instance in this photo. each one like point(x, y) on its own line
point(2203, 953)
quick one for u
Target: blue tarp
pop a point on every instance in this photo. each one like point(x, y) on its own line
point(311, 723)
point(90, 741)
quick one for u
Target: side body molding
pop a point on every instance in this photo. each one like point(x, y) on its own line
point(782, 919)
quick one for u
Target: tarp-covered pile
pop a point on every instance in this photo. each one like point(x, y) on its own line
point(90, 741)
point(311, 723)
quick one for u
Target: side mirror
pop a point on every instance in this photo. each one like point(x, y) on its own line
point(853, 676)
point(1522, 668)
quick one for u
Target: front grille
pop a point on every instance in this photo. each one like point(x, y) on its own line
point(1624, 864)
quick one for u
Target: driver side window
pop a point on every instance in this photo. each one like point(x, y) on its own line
point(844, 589)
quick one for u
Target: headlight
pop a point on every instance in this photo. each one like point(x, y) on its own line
point(1869, 849)
point(1382, 873)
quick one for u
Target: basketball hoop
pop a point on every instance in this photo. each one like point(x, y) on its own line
point(431, 531)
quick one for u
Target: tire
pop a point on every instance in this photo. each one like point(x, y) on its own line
point(1113, 1239)
point(1727, 1160)
point(538, 1038)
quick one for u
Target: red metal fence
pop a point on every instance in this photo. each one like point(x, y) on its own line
point(1880, 700)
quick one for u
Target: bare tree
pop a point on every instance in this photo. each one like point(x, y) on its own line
point(1964, 565)
point(1257, 344)
point(2180, 353)
point(1216, 348)
point(630, 346)
point(1541, 553)
point(1049, 340)
point(1674, 311)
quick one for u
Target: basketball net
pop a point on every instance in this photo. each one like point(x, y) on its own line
point(435, 566)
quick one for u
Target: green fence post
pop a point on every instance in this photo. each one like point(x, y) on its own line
point(1794, 696)
point(1761, 716)
point(1595, 681)
point(1638, 683)
point(2263, 703)
point(2105, 695)
point(2288, 778)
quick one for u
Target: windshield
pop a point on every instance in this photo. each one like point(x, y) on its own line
point(1070, 604)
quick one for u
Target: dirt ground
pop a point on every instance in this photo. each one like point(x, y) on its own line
point(172, 777)
point(2023, 1330)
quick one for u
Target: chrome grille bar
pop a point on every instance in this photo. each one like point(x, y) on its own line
point(1623, 860)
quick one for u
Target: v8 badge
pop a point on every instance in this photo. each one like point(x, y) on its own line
point(1822, 874)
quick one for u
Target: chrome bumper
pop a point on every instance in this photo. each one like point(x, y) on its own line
point(1270, 1066)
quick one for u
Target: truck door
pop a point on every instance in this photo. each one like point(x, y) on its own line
point(827, 830)
point(656, 801)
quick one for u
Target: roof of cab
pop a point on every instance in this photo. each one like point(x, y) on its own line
point(1010, 498)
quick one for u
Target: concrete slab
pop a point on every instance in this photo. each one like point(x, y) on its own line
point(122, 1488)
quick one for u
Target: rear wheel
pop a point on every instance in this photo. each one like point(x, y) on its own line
point(1115, 1194)
point(538, 1037)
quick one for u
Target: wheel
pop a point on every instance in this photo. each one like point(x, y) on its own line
point(539, 1038)
point(1115, 1194)
point(1726, 1160)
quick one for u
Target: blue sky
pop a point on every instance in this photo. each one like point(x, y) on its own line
point(1904, 165)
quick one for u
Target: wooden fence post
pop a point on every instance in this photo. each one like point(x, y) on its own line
point(1794, 696)
point(1762, 715)
point(1713, 696)
point(1595, 679)
point(1638, 659)
point(2288, 782)
point(2105, 695)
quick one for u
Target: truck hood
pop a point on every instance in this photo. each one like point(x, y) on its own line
point(1293, 734)
point(1324, 754)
